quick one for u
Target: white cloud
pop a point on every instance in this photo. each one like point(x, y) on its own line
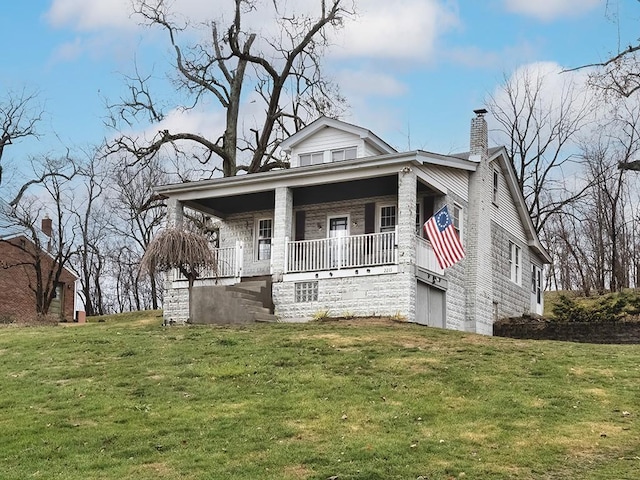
point(551, 9)
point(558, 93)
point(400, 30)
point(404, 29)
point(369, 83)
point(86, 16)
point(68, 51)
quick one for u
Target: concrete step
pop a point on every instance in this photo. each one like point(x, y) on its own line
point(265, 317)
point(250, 304)
point(252, 286)
point(243, 295)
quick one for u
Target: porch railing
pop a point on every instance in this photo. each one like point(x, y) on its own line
point(425, 256)
point(341, 252)
point(229, 261)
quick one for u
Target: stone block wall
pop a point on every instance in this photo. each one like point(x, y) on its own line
point(372, 295)
point(512, 299)
point(585, 332)
point(175, 305)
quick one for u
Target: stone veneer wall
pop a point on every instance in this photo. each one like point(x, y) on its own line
point(512, 299)
point(585, 332)
point(456, 296)
point(372, 295)
point(175, 304)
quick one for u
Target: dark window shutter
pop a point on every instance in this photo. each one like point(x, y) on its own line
point(428, 206)
point(369, 217)
point(301, 217)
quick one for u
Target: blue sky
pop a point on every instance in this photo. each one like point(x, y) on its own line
point(412, 70)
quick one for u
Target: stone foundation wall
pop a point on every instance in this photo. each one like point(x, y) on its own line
point(373, 295)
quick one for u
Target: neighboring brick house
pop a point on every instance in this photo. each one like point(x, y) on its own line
point(340, 232)
point(18, 276)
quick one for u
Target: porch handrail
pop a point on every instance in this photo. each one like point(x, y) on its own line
point(373, 249)
point(229, 262)
point(426, 257)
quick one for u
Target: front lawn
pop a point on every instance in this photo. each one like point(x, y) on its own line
point(130, 399)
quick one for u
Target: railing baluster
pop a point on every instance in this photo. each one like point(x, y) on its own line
point(354, 251)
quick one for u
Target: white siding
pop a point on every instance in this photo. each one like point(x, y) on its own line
point(326, 140)
point(456, 181)
point(505, 213)
point(369, 150)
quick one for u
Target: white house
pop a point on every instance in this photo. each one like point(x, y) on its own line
point(340, 233)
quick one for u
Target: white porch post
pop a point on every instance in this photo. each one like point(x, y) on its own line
point(176, 299)
point(282, 222)
point(239, 257)
point(175, 212)
point(406, 238)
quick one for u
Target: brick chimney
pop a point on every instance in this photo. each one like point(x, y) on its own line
point(479, 145)
point(47, 226)
point(478, 247)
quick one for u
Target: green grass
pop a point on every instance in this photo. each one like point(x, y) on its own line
point(130, 399)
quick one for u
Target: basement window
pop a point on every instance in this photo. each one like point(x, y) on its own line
point(306, 292)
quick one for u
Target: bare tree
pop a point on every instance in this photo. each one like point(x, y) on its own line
point(540, 132)
point(186, 250)
point(619, 74)
point(284, 70)
point(43, 257)
point(19, 116)
point(136, 215)
point(595, 240)
point(91, 222)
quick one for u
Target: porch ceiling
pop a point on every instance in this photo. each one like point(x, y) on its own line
point(223, 206)
point(349, 190)
point(307, 195)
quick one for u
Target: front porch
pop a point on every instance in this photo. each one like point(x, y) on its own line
point(349, 255)
point(339, 236)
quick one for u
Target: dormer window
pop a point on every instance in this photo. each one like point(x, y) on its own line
point(314, 158)
point(344, 154)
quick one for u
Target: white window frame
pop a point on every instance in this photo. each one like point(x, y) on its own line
point(536, 282)
point(496, 186)
point(258, 239)
point(515, 263)
point(312, 155)
point(379, 217)
point(457, 216)
point(342, 152)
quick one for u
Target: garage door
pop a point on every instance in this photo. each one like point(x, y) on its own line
point(430, 306)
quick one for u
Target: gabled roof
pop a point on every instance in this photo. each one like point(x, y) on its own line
point(467, 155)
point(326, 122)
point(9, 231)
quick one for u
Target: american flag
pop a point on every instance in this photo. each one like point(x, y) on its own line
point(444, 238)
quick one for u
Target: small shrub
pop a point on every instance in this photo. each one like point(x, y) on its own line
point(609, 308)
point(398, 317)
point(321, 315)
